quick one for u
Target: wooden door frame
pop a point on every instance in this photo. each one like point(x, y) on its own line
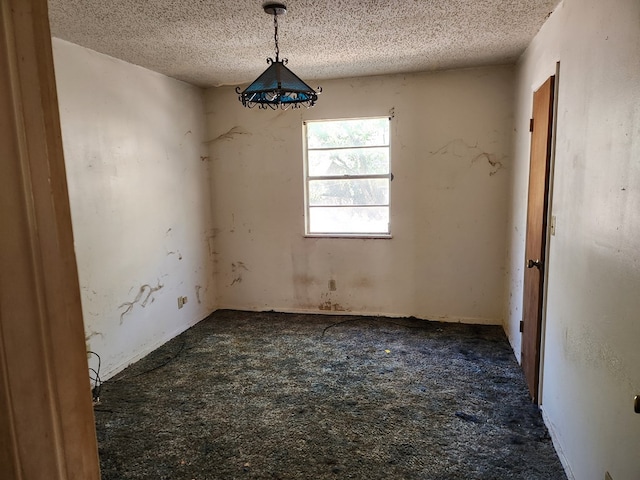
point(47, 428)
point(548, 233)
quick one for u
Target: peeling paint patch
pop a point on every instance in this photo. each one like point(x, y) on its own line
point(168, 235)
point(491, 159)
point(460, 149)
point(229, 135)
point(327, 305)
point(87, 289)
point(145, 291)
point(90, 334)
point(303, 279)
point(332, 307)
point(211, 244)
point(363, 282)
point(237, 268)
point(455, 147)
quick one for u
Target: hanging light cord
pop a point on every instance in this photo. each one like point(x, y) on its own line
point(275, 36)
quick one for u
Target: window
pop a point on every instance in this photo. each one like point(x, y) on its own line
point(348, 174)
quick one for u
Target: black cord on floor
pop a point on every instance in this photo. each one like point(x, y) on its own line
point(157, 367)
point(97, 382)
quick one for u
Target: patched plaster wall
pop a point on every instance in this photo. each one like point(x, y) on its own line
point(591, 352)
point(450, 140)
point(140, 203)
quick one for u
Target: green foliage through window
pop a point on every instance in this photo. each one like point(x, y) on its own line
point(348, 177)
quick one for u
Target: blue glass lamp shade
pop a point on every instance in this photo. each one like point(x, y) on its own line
point(278, 87)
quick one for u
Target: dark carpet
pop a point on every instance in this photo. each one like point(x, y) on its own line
point(283, 396)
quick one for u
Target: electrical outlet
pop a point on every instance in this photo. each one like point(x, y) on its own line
point(182, 301)
point(332, 285)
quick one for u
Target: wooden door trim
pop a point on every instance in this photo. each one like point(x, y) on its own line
point(47, 425)
point(547, 250)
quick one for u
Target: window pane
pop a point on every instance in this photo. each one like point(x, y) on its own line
point(354, 161)
point(348, 133)
point(348, 220)
point(352, 152)
point(367, 191)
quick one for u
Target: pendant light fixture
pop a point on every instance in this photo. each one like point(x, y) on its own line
point(277, 87)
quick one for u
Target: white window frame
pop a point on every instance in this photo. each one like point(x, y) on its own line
point(307, 178)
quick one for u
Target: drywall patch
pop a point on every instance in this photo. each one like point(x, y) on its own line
point(145, 291)
point(586, 347)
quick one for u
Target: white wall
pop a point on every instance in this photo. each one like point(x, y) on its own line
point(591, 347)
point(140, 202)
point(451, 136)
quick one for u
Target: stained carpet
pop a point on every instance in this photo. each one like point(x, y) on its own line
point(286, 396)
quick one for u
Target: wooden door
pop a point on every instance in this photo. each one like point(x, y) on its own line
point(537, 207)
point(46, 418)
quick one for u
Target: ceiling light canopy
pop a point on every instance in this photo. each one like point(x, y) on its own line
point(277, 87)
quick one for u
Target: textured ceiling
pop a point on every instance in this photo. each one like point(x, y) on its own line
point(219, 42)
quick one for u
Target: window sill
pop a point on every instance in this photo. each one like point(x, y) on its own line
point(364, 236)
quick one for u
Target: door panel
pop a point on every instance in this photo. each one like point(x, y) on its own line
point(537, 207)
point(47, 428)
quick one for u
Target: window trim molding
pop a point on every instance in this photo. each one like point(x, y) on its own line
point(367, 236)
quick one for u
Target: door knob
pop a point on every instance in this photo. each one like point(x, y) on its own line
point(534, 263)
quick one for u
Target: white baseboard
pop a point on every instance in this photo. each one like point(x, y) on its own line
point(442, 318)
point(556, 444)
point(147, 350)
point(151, 347)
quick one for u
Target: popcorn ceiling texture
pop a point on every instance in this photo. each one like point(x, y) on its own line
point(219, 42)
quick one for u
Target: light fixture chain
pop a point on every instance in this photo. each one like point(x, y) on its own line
point(275, 36)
